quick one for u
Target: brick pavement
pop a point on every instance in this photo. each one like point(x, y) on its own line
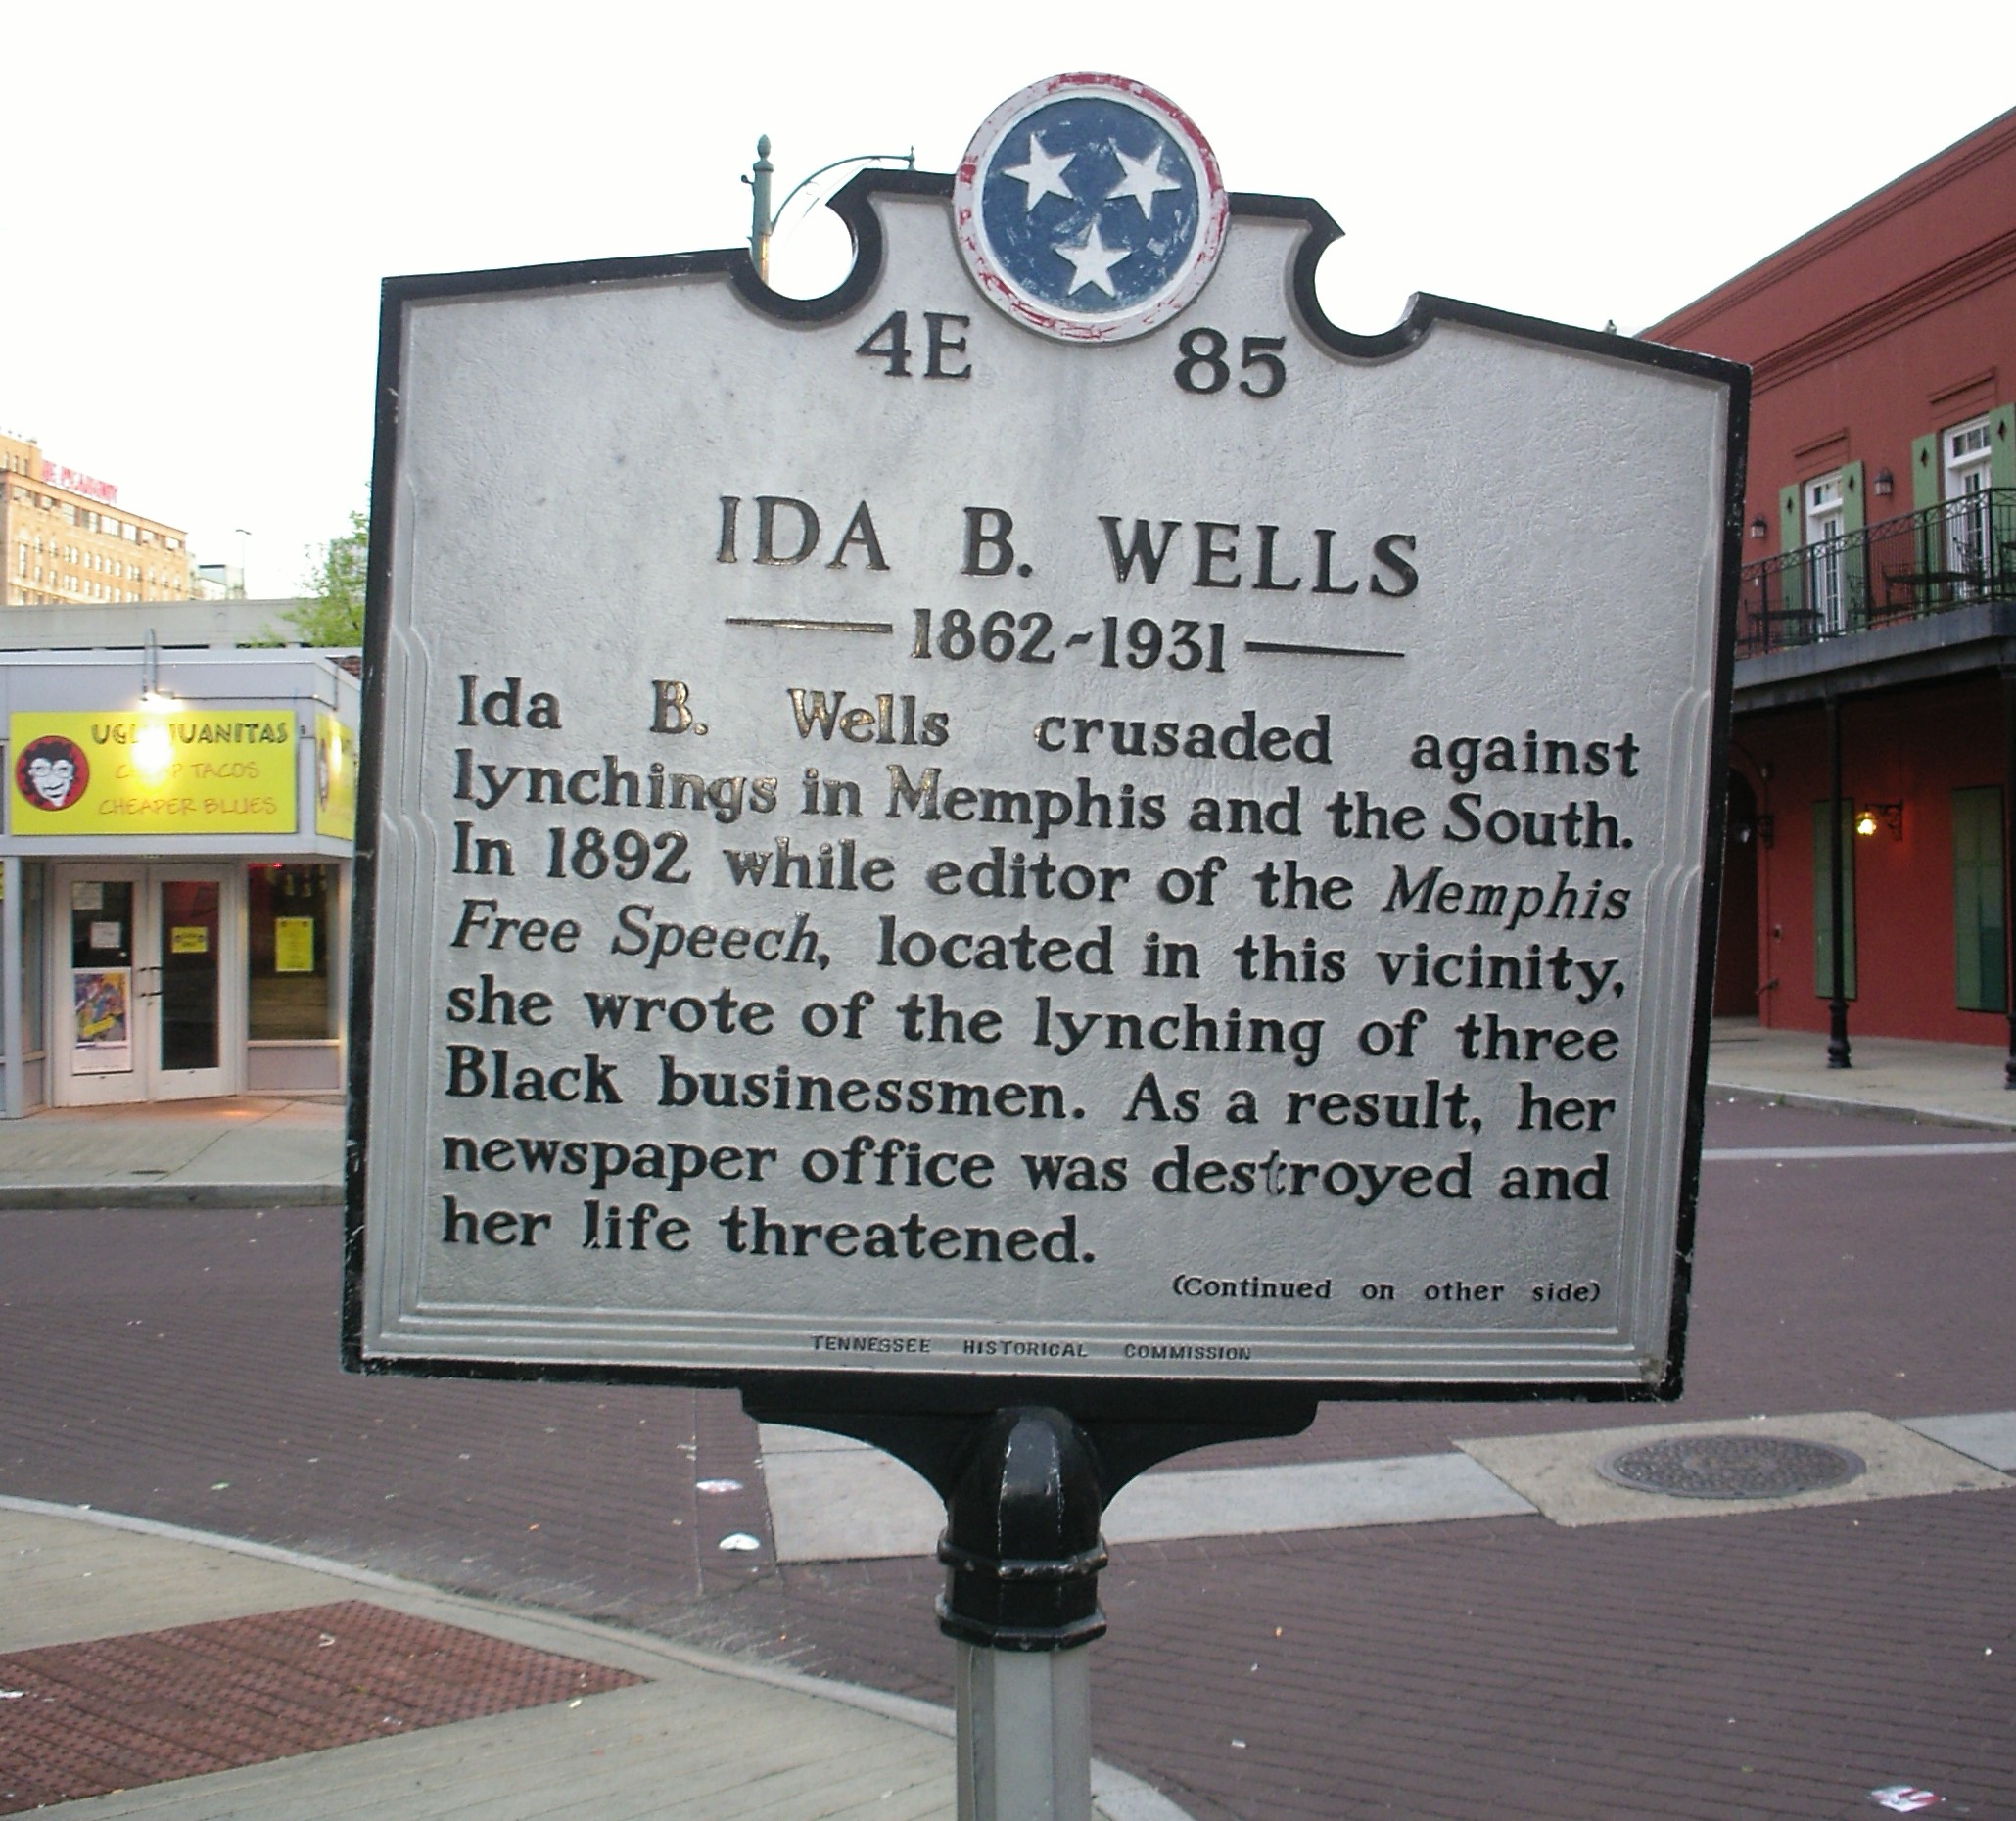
point(112, 1713)
point(181, 1365)
point(235, 1670)
point(1809, 1293)
point(1778, 1665)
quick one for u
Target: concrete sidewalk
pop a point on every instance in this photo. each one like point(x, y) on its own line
point(256, 1152)
point(693, 1738)
point(1961, 1084)
point(247, 1150)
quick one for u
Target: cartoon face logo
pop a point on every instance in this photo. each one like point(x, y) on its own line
point(52, 773)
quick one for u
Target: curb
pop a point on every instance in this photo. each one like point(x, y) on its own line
point(1116, 1794)
point(1877, 1110)
point(169, 1195)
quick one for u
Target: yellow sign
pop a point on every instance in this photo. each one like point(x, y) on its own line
point(188, 939)
point(187, 771)
point(336, 779)
point(294, 945)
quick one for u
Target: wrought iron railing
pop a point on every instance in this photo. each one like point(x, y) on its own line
point(1951, 555)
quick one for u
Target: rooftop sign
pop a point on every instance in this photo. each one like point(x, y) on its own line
point(1048, 814)
point(73, 481)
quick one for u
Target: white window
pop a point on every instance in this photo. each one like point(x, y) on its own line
point(1823, 550)
point(1965, 492)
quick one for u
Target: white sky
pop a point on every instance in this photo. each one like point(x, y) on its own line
point(206, 194)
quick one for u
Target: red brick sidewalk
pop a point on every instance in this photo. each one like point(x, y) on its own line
point(115, 1714)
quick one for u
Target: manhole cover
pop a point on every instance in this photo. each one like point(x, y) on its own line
point(1731, 1466)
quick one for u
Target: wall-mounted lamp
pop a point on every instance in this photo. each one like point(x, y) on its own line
point(1890, 815)
point(153, 753)
point(152, 695)
point(1885, 483)
point(1759, 529)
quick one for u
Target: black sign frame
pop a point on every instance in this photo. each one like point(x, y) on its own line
point(885, 1406)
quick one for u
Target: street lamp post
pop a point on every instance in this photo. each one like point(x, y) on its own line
point(762, 220)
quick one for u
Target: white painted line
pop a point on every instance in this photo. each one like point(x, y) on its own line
point(1312, 1495)
point(1560, 1472)
point(859, 1505)
point(208, 1539)
point(1813, 1153)
point(847, 1504)
point(1990, 1438)
point(788, 1439)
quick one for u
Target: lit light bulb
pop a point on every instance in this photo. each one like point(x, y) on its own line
point(154, 753)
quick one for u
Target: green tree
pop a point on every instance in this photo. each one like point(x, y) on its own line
point(331, 611)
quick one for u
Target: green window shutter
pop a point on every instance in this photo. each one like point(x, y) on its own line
point(1823, 918)
point(2001, 445)
point(1791, 535)
point(1978, 936)
point(1926, 472)
point(1927, 475)
point(1855, 557)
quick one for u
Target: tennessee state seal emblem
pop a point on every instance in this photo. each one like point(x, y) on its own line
point(1089, 208)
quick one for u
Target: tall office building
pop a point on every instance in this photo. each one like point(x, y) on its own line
point(66, 541)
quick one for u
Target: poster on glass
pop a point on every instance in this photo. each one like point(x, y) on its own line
point(103, 1000)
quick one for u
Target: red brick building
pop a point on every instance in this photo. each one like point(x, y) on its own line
point(1876, 654)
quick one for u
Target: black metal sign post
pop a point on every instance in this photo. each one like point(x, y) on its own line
point(1022, 1553)
point(1043, 860)
point(1025, 1486)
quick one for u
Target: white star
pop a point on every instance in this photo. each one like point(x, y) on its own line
point(1043, 176)
point(1092, 259)
point(1144, 180)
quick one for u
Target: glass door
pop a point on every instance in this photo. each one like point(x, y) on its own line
point(145, 1005)
point(1967, 496)
point(98, 991)
point(1823, 522)
point(187, 943)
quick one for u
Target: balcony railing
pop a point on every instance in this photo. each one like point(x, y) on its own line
point(1909, 568)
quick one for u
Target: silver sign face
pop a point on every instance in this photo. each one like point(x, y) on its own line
point(908, 844)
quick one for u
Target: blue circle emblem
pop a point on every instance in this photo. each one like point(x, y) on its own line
point(1089, 208)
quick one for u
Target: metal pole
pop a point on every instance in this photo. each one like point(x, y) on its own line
point(1837, 1005)
point(1023, 1553)
point(2010, 868)
point(1024, 1734)
point(760, 222)
point(12, 987)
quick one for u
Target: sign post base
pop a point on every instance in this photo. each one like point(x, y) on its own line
point(1025, 1487)
point(1024, 1734)
point(1022, 1554)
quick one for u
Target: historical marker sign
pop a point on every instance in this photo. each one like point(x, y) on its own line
point(1048, 813)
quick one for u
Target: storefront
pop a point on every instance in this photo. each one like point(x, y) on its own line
point(175, 872)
